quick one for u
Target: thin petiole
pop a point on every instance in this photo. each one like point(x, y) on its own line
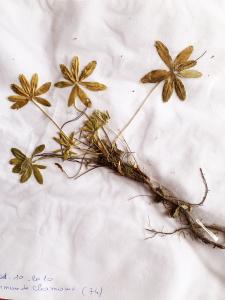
point(47, 115)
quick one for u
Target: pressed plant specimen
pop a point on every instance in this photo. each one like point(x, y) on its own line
point(93, 143)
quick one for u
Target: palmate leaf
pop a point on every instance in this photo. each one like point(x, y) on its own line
point(28, 91)
point(177, 68)
point(25, 166)
point(74, 80)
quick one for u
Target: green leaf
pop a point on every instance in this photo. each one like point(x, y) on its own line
point(18, 154)
point(15, 161)
point(40, 166)
point(26, 175)
point(190, 73)
point(16, 169)
point(37, 174)
point(38, 149)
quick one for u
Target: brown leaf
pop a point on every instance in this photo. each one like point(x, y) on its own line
point(34, 82)
point(167, 89)
point(119, 168)
point(16, 98)
point(37, 174)
point(186, 65)
point(88, 70)
point(155, 76)
point(19, 104)
point(43, 89)
point(183, 55)
point(94, 86)
point(190, 73)
point(180, 89)
point(42, 101)
point(66, 73)
point(24, 83)
point(75, 67)
point(73, 95)
point(176, 213)
point(83, 97)
point(164, 53)
point(18, 90)
point(63, 84)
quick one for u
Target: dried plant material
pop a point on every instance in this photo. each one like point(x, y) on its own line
point(25, 166)
point(179, 88)
point(83, 97)
point(74, 80)
point(67, 144)
point(92, 145)
point(95, 121)
point(168, 89)
point(177, 68)
point(183, 56)
point(155, 76)
point(190, 73)
point(28, 91)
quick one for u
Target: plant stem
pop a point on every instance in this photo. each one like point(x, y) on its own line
point(136, 112)
point(47, 115)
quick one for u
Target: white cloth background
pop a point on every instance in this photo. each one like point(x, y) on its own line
point(87, 232)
